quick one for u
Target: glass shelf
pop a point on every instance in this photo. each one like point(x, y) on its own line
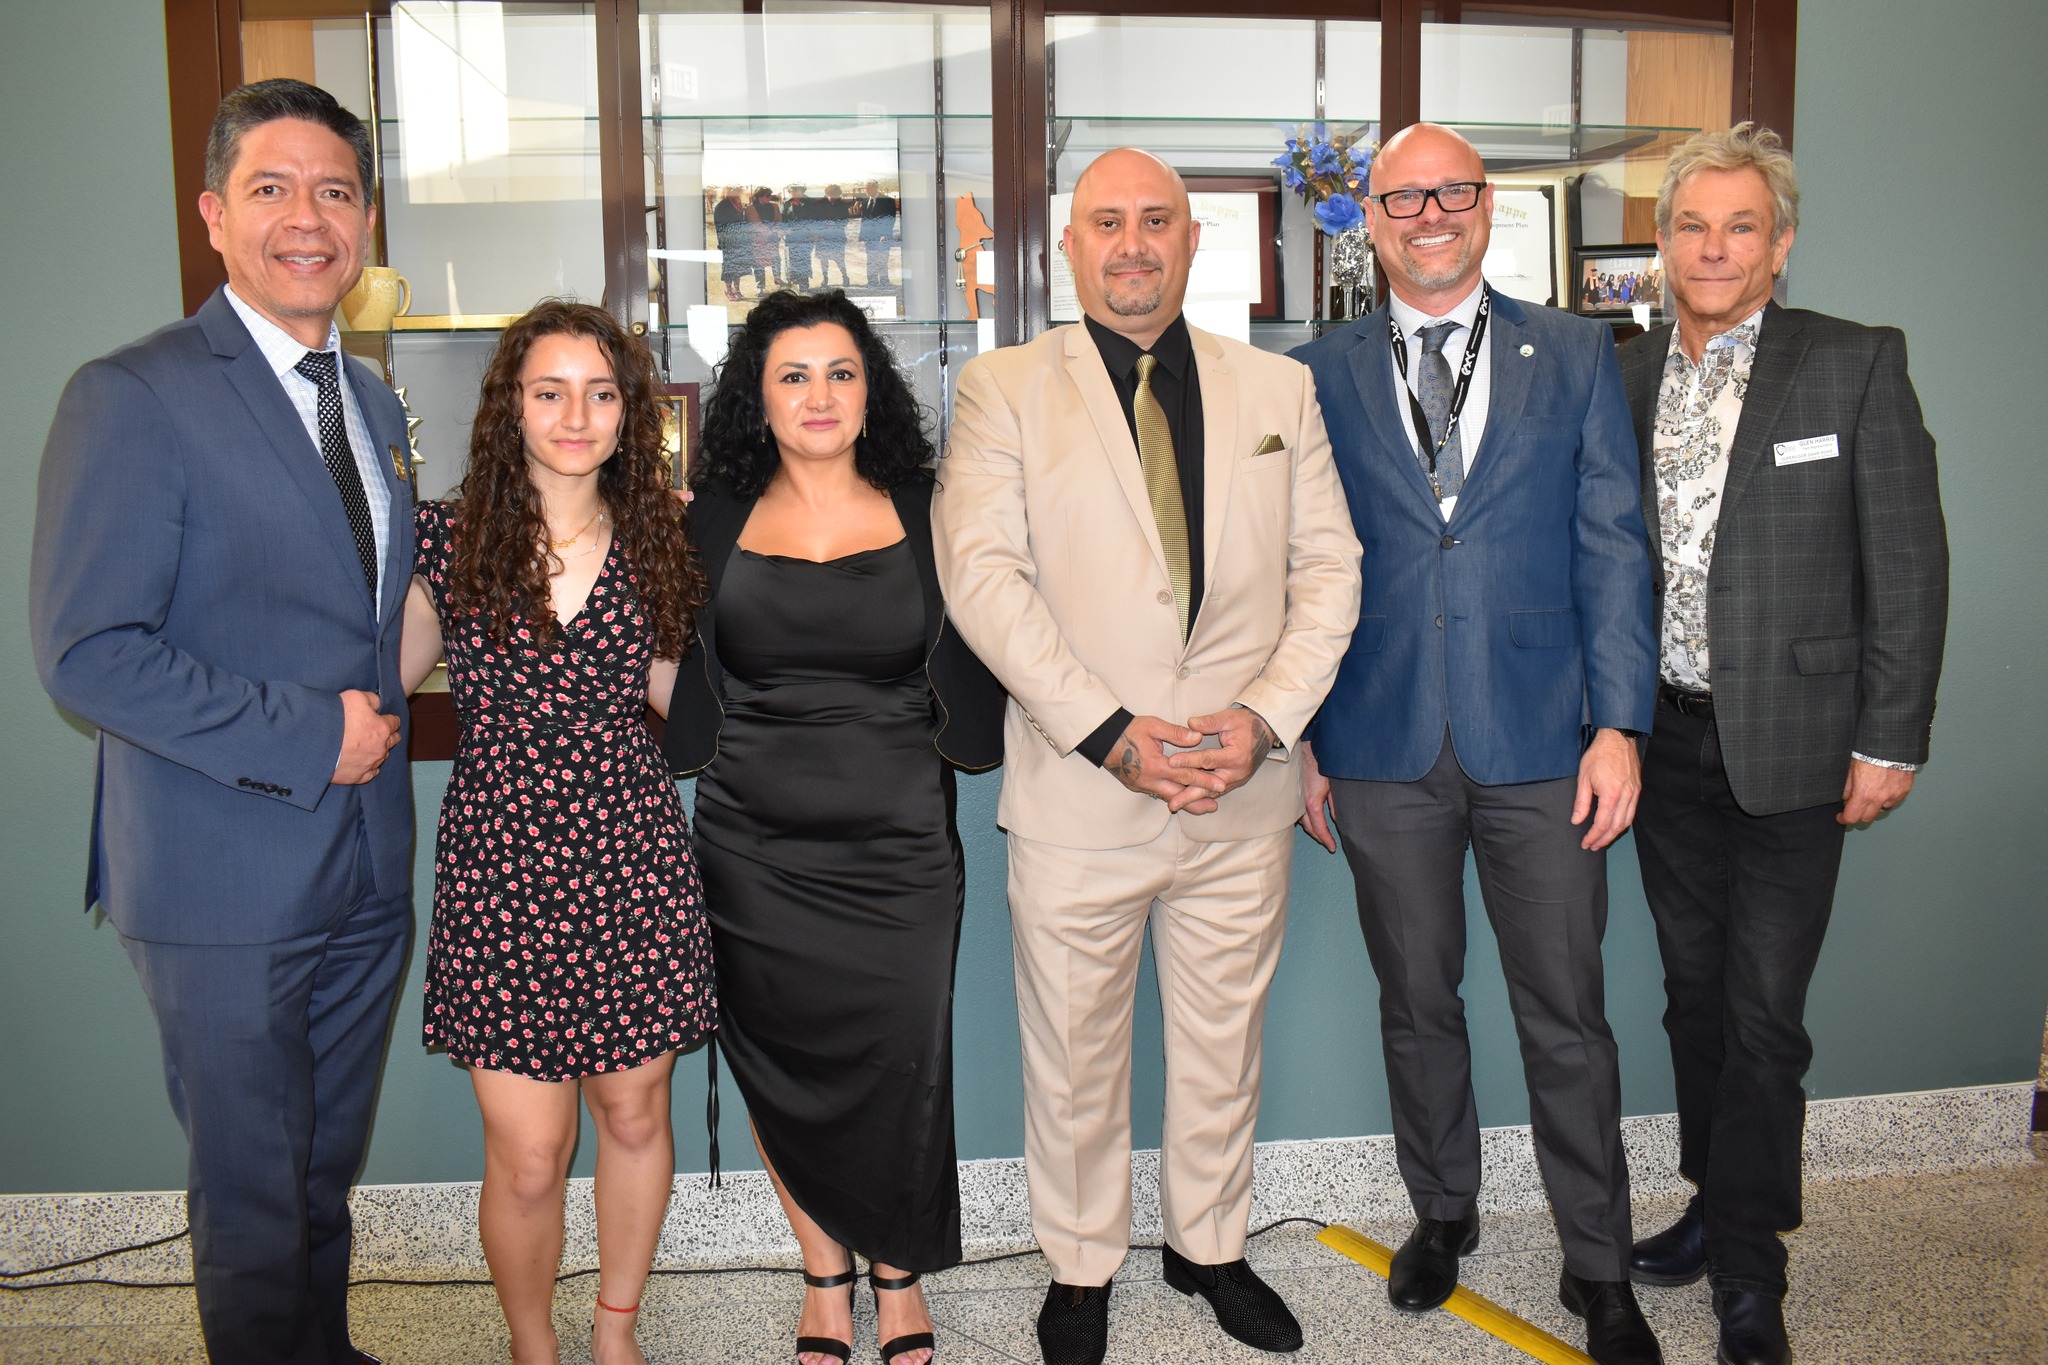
point(678, 328)
point(814, 118)
point(746, 118)
point(1275, 121)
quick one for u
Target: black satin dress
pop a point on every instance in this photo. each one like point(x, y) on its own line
point(834, 882)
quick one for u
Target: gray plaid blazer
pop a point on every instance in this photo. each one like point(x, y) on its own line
point(1828, 596)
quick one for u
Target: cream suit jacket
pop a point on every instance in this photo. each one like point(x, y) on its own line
point(1052, 569)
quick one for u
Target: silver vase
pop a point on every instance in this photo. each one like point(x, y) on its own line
point(1351, 271)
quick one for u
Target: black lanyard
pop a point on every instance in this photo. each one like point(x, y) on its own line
point(1458, 395)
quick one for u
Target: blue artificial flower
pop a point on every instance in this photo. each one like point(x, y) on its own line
point(1339, 213)
point(1294, 180)
point(1325, 160)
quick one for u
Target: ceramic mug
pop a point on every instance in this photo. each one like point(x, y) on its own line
point(379, 296)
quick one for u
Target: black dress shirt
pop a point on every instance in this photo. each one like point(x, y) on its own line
point(1178, 388)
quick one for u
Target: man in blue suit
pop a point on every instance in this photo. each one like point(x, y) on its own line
point(1502, 670)
point(223, 542)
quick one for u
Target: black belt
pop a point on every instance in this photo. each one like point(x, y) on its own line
point(1686, 703)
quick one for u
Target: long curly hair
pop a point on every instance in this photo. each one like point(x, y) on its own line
point(737, 448)
point(501, 562)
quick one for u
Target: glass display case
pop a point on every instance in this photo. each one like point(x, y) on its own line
point(648, 153)
point(813, 146)
point(845, 134)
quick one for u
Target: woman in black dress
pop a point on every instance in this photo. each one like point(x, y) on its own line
point(823, 702)
point(568, 950)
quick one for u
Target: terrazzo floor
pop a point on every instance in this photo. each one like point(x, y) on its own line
point(1923, 1268)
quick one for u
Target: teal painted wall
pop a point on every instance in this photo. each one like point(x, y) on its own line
point(1937, 967)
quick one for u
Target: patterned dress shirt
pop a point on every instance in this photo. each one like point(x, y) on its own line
point(1698, 409)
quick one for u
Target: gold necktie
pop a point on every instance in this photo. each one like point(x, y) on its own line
point(1162, 486)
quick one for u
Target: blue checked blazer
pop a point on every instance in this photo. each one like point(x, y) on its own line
point(1526, 621)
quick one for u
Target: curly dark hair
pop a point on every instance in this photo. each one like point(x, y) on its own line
point(501, 561)
point(737, 449)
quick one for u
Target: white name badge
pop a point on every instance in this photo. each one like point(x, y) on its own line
point(1813, 448)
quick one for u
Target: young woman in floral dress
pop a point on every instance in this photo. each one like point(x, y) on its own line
point(568, 953)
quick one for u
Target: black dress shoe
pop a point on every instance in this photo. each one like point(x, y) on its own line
point(1073, 1326)
point(1677, 1255)
point(1246, 1306)
point(1615, 1331)
point(1752, 1328)
point(1425, 1269)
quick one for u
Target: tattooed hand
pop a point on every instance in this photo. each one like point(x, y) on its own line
point(1138, 759)
point(1247, 739)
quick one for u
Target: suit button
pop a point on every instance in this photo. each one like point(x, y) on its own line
point(1184, 672)
point(1165, 598)
point(1448, 541)
point(1439, 623)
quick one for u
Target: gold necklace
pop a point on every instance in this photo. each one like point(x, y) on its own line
point(595, 517)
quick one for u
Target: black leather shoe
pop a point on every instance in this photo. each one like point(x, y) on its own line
point(1073, 1326)
point(1752, 1328)
point(1615, 1331)
point(1425, 1269)
point(1246, 1306)
point(1677, 1255)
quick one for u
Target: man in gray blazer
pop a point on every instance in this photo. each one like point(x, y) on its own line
point(1791, 496)
point(223, 542)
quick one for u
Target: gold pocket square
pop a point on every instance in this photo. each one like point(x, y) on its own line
point(1269, 444)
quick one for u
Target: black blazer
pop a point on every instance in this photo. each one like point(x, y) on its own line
point(970, 701)
point(1828, 596)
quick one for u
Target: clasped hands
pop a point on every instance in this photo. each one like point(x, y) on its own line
point(367, 738)
point(1193, 779)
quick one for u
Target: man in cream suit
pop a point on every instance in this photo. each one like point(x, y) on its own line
point(1140, 530)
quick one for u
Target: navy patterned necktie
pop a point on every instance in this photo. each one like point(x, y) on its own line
point(319, 366)
point(1434, 389)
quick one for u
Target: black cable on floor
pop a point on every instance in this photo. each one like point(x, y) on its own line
point(10, 1275)
point(88, 1260)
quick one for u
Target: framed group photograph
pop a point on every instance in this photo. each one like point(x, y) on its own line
point(1613, 281)
point(804, 209)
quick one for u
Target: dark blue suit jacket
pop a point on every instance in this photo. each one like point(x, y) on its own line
point(196, 595)
point(1528, 618)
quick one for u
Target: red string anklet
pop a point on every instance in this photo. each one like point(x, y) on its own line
point(609, 1309)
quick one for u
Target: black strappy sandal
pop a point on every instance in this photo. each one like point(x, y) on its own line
point(909, 1341)
point(828, 1346)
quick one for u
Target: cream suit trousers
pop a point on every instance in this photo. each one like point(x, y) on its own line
point(1078, 916)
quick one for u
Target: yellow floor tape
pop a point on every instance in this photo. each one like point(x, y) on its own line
point(1482, 1313)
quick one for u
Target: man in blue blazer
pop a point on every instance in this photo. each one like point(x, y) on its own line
point(223, 541)
point(1502, 669)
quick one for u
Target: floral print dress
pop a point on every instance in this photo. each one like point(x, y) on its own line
point(568, 934)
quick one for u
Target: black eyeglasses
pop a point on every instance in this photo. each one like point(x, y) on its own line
point(1453, 198)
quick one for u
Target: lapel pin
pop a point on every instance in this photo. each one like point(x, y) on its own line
point(1527, 349)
